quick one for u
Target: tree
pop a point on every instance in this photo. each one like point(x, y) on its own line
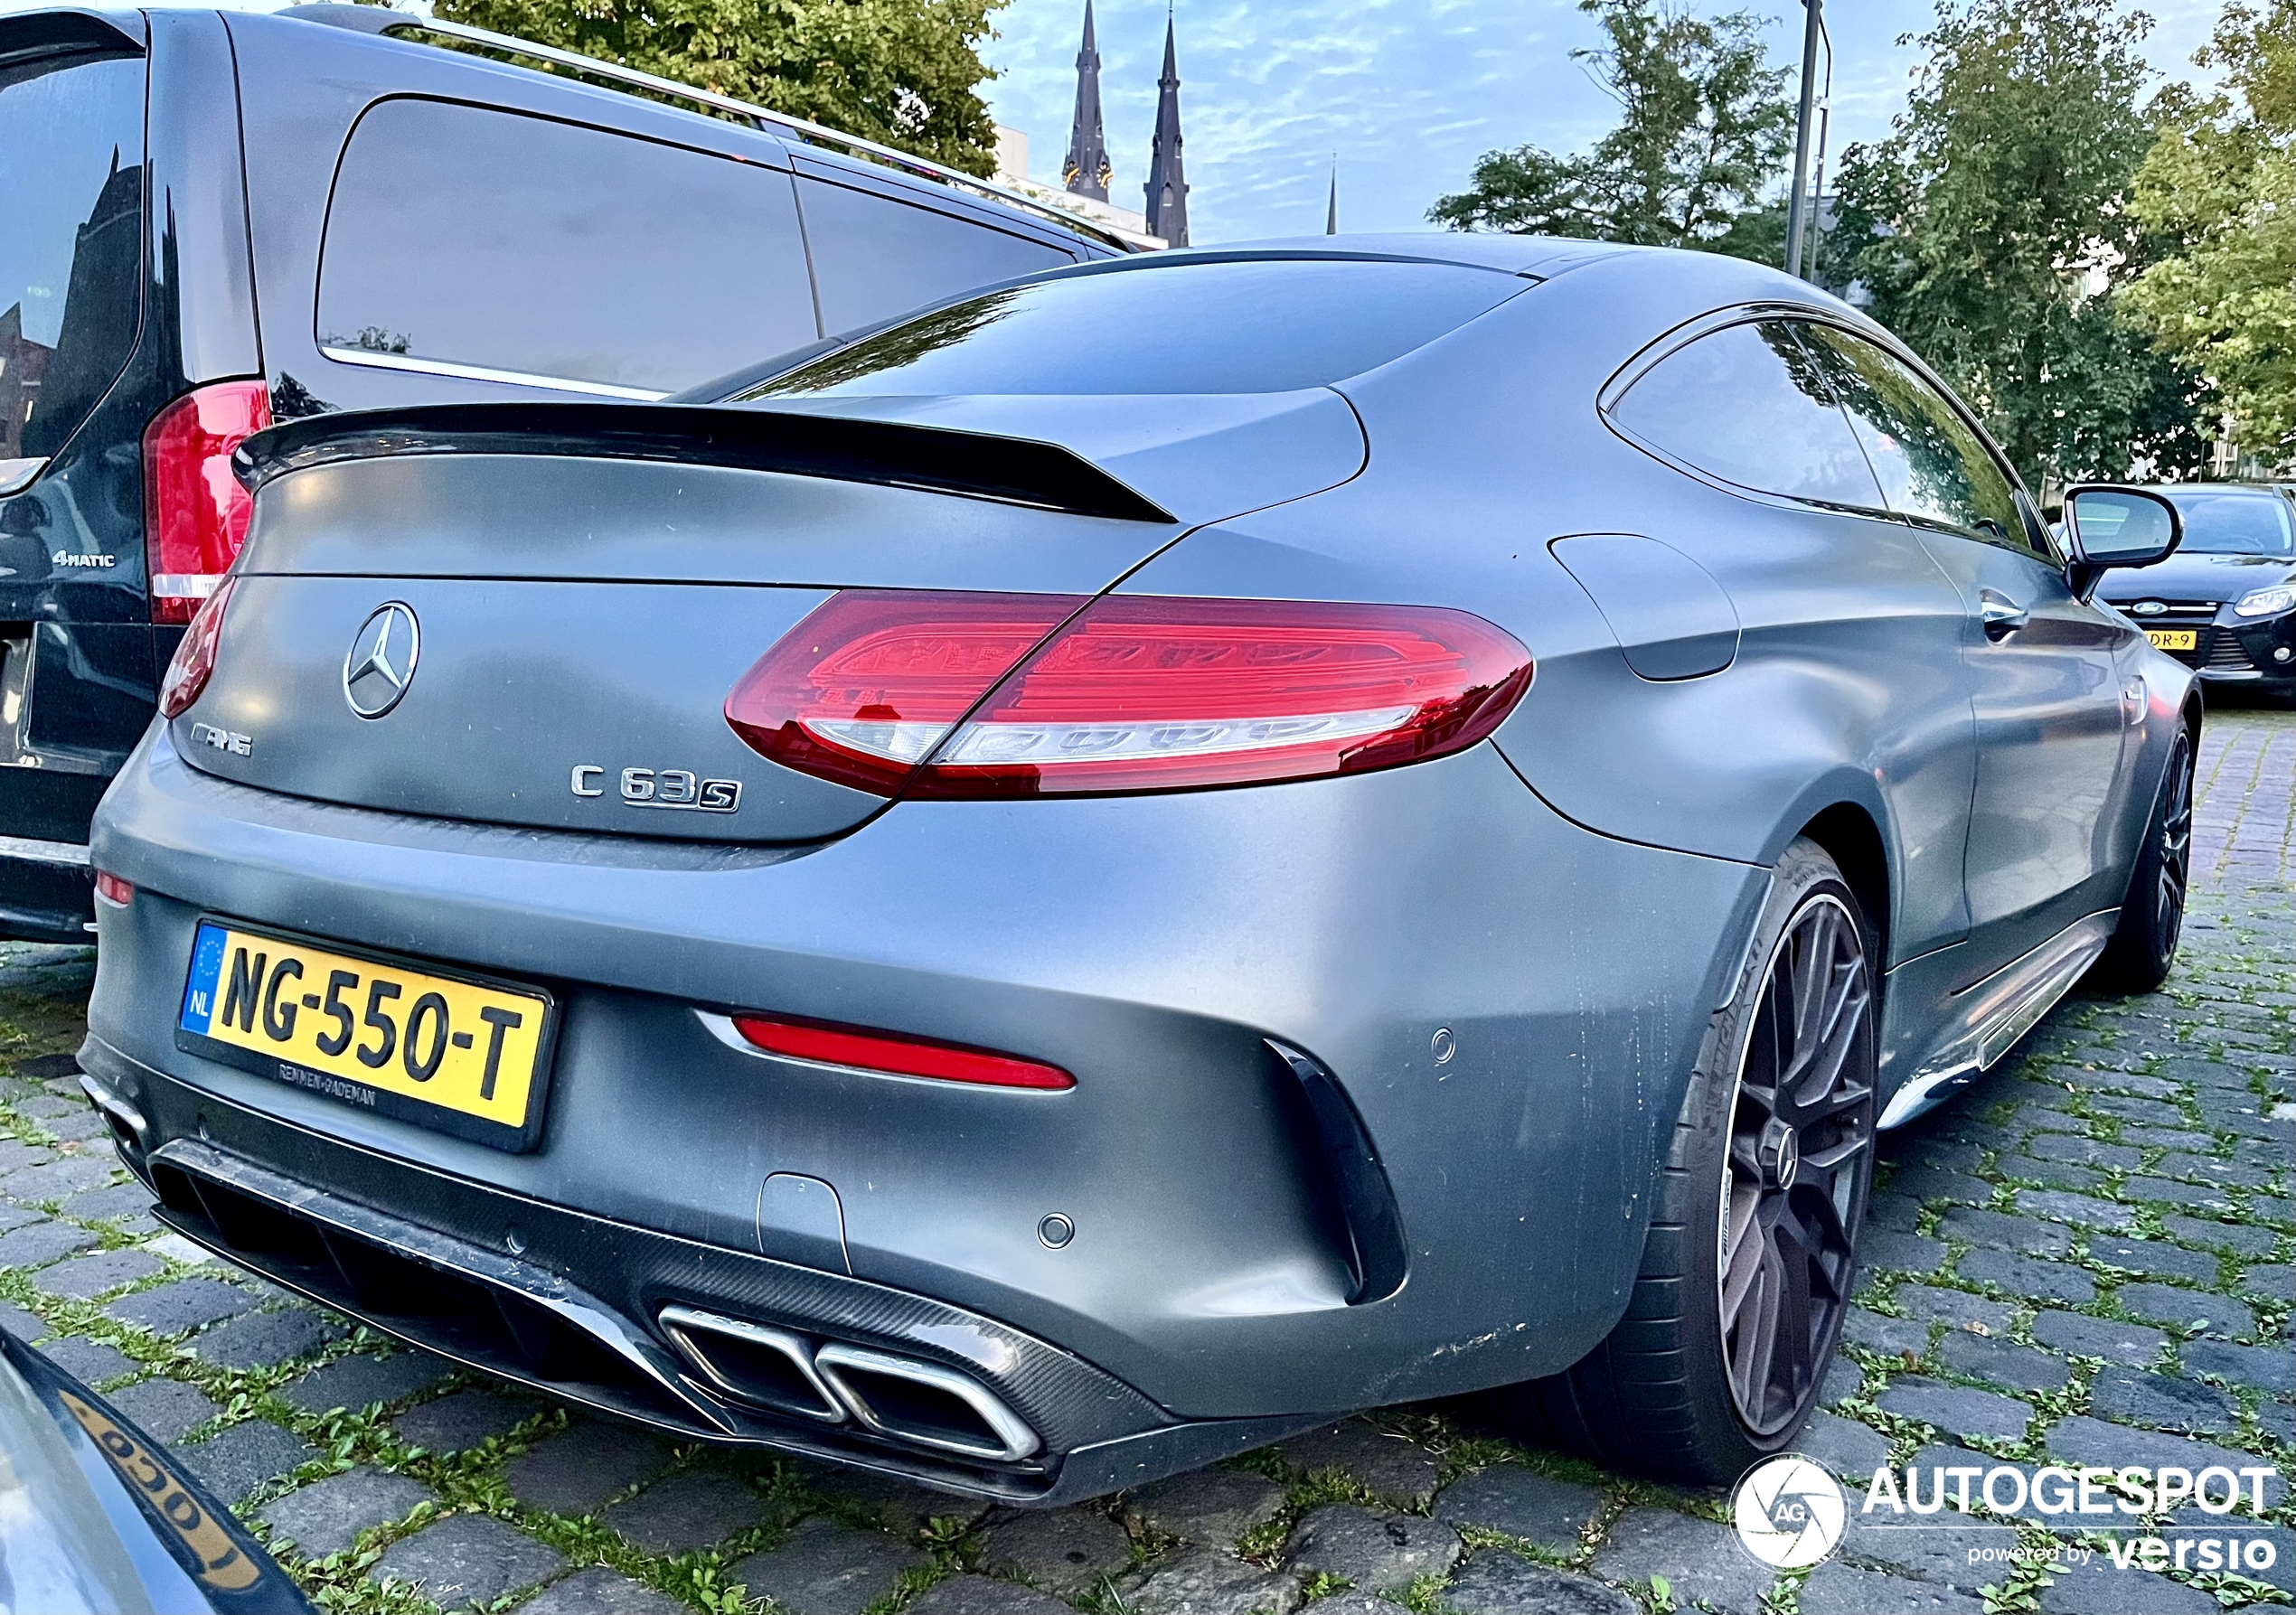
point(1992, 225)
point(1705, 127)
point(903, 72)
point(2220, 183)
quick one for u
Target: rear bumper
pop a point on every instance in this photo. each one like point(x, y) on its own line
point(518, 1315)
point(47, 891)
point(1156, 947)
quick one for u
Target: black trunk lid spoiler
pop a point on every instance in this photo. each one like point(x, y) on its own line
point(968, 465)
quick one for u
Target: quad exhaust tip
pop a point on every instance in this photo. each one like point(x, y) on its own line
point(901, 1398)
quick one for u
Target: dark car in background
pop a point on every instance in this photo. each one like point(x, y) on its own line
point(2225, 602)
point(214, 220)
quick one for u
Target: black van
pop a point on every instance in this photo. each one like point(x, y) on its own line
point(212, 220)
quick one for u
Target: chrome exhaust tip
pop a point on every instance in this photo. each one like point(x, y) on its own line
point(925, 1404)
point(753, 1363)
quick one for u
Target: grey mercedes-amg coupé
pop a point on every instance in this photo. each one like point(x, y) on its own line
point(1105, 872)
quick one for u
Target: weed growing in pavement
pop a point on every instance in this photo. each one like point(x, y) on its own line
point(1424, 1595)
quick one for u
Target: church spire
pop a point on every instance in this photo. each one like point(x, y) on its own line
point(1087, 172)
point(1167, 184)
point(1332, 210)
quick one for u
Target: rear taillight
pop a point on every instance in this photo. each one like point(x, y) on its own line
point(863, 688)
point(112, 889)
point(196, 513)
point(897, 1057)
point(194, 659)
point(1134, 693)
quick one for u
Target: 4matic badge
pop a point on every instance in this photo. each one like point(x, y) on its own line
point(678, 788)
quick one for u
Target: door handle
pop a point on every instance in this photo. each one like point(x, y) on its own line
point(2001, 615)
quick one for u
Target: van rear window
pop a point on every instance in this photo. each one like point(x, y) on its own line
point(493, 241)
point(875, 258)
point(72, 241)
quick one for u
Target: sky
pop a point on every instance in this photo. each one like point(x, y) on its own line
point(1405, 93)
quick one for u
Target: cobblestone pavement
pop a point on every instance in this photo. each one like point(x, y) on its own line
point(2086, 1258)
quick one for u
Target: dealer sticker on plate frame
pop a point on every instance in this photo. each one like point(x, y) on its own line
point(461, 1054)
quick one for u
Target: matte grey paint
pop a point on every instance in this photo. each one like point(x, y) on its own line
point(1566, 900)
point(1671, 619)
point(1326, 913)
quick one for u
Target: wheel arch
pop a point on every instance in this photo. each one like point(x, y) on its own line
point(1851, 838)
point(1843, 812)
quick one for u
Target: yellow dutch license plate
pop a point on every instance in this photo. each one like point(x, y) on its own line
point(2173, 639)
point(461, 1054)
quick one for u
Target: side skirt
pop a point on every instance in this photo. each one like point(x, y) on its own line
point(1974, 1028)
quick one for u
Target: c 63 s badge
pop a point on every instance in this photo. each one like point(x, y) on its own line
point(677, 788)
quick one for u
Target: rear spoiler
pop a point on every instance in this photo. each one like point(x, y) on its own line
point(970, 464)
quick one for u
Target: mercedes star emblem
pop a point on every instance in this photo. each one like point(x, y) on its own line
point(381, 662)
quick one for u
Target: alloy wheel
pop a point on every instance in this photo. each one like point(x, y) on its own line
point(2175, 846)
point(1800, 1155)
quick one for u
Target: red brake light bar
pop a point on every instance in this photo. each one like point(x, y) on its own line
point(899, 1057)
point(948, 695)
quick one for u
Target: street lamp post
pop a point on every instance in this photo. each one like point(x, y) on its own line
point(1797, 208)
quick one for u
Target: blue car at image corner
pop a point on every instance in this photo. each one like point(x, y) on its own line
point(96, 1516)
point(1085, 879)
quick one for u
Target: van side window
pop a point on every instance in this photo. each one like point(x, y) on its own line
point(1932, 462)
point(72, 241)
point(494, 240)
point(1747, 404)
point(875, 258)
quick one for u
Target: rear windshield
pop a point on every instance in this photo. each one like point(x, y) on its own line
point(72, 241)
point(2235, 523)
point(1257, 327)
point(497, 242)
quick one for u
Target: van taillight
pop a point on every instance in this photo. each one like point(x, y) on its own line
point(1023, 695)
point(196, 513)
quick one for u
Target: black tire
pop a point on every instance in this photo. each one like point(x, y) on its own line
point(2152, 912)
point(1670, 1391)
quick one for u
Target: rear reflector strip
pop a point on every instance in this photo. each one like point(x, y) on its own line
point(897, 1057)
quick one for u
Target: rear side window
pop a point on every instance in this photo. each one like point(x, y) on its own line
point(875, 258)
point(71, 241)
point(491, 240)
point(1255, 326)
point(1932, 462)
point(1747, 404)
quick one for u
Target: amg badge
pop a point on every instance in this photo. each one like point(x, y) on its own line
point(230, 740)
point(663, 788)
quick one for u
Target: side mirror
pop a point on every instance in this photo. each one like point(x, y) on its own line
point(2111, 526)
